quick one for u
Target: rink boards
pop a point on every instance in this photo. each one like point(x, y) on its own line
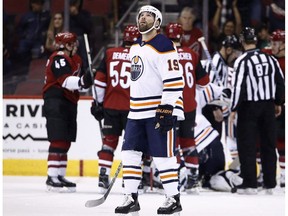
point(25, 144)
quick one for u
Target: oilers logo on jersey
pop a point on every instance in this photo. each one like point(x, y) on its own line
point(136, 67)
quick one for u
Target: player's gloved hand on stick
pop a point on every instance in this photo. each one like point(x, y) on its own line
point(164, 119)
point(97, 111)
point(86, 80)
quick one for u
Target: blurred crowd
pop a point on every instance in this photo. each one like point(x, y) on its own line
point(32, 36)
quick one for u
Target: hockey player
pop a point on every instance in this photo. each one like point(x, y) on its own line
point(194, 74)
point(60, 94)
point(207, 139)
point(155, 104)
point(113, 90)
point(220, 61)
point(278, 51)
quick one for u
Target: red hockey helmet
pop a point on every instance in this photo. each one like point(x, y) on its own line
point(174, 31)
point(278, 35)
point(131, 33)
point(61, 39)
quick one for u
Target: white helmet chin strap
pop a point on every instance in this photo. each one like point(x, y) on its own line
point(147, 31)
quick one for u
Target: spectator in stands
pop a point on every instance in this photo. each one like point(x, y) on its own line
point(31, 31)
point(263, 36)
point(229, 21)
point(276, 14)
point(191, 33)
point(80, 23)
point(7, 63)
point(55, 27)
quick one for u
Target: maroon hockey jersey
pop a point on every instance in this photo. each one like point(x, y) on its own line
point(113, 75)
point(58, 67)
point(193, 73)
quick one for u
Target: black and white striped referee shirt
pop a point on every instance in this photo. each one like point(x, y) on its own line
point(219, 71)
point(257, 77)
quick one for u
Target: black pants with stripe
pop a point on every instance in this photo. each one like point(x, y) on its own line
point(257, 119)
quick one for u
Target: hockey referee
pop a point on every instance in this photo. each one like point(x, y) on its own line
point(257, 96)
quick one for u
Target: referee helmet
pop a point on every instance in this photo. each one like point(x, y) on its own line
point(231, 41)
point(248, 35)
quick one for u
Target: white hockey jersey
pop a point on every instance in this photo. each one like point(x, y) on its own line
point(155, 78)
point(204, 133)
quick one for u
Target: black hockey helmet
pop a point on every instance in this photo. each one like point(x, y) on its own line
point(248, 35)
point(231, 41)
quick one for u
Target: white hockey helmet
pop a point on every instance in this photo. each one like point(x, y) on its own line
point(157, 15)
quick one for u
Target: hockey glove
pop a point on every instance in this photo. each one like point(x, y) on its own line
point(164, 119)
point(226, 93)
point(97, 111)
point(86, 80)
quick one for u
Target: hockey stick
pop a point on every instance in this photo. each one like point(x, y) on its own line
point(94, 94)
point(97, 202)
point(206, 51)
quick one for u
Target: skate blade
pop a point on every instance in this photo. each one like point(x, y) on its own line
point(141, 191)
point(193, 191)
point(102, 190)
point(130, 213)
point(68, 190)
point(53, 189)
point(174, 214)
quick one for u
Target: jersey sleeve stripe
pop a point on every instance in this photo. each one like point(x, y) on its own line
point(144, 104)
point(173, 90)
point(173, 80)
point(100, 84)
point(173, 84)
point(145, 98)
point(203, 134)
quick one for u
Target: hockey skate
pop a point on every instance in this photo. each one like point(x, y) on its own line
point(171, 206)
point(192, 185)
point(260, 180)
point(282, 180)
point(246, 190)
point(71, 187)
point(53, 184)
point(103, 183)
point(130, 205)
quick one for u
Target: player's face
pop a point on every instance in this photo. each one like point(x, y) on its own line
point(276, 46)
point(146, 21)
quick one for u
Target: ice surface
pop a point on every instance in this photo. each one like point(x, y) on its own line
point(27, 196)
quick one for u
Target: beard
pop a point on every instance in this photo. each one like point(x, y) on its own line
point(145, 26)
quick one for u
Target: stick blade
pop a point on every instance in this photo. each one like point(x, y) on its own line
point(94, 203)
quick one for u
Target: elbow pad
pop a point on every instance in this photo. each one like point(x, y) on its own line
point(71, 83)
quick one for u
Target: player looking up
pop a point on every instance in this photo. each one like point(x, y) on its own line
point(155, 104)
